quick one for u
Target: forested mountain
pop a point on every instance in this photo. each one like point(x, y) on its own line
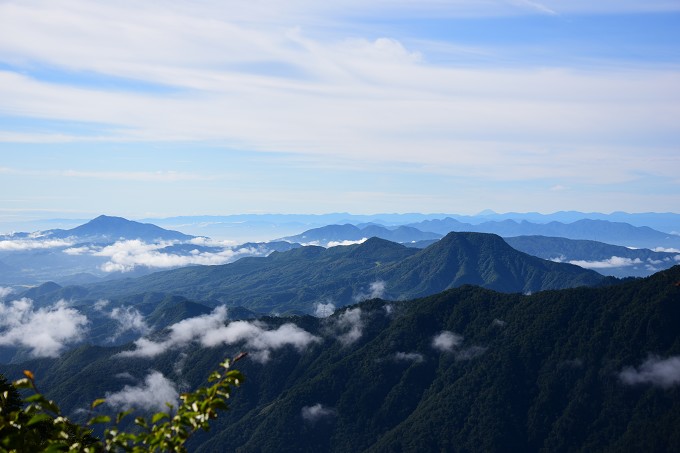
point(299, 279)
point(468, 369)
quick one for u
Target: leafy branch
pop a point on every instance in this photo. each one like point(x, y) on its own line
point(40, 425)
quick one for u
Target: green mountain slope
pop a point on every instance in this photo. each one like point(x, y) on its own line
point(469, 369)
point(296, 280)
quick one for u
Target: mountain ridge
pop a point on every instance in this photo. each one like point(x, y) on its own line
point(300, 278)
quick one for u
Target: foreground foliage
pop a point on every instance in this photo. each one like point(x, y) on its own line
point(41, 426)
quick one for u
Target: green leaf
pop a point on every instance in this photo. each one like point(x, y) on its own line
point(60, 446)
point(158, 416)
point(99, 419)
point(35, 398)
point(38, 418)
point(97, 402)
point(122, 415)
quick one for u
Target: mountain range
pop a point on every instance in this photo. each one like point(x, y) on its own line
point(615, 233)
point(298, 280)
point(338, 234)
point(468, 369)
point(109, 248)
point(606, 259)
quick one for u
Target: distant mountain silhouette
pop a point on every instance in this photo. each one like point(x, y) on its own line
point(338, 233)
point(107, 228)
point(608, 259)
point(596, 230)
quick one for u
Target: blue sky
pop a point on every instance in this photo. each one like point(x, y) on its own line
point(154, 109)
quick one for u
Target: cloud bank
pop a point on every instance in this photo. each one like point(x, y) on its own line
point(656, 371)
point(14, 245)
point(151, 395)
point(210, 331)
point(126, 255)
point(46, 331)
point(614, 261)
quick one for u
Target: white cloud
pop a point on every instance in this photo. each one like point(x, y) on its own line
point(257, 338)
point(32, 244)
point(344, 243)
point(349, 326)
point(667, 250)
point(101, 304)
point(46, 331)
point(317, 412)
point(210, 331)
point(129, 319)
point(82, 250)
point(375, 290)
point(322, 310)
point(446, 341)
point(498, 323)
point(614, 261)
point(151, 395)
point(181, 333)
point(394, 99)
point(125, 256)
point(655, 371)
point(5, 291)
point(409, 357)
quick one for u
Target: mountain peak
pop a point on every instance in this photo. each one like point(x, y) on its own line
point(106, 228)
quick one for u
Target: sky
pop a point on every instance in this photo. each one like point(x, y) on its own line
point(166, 108)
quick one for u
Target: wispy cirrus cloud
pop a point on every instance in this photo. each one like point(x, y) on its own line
point(145, 176)
point(374, 90)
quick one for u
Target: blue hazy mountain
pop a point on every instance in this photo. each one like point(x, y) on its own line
point(84, 254)
point(607, 259)
point(615, 233)
point(110, 229)
point(339, 233)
